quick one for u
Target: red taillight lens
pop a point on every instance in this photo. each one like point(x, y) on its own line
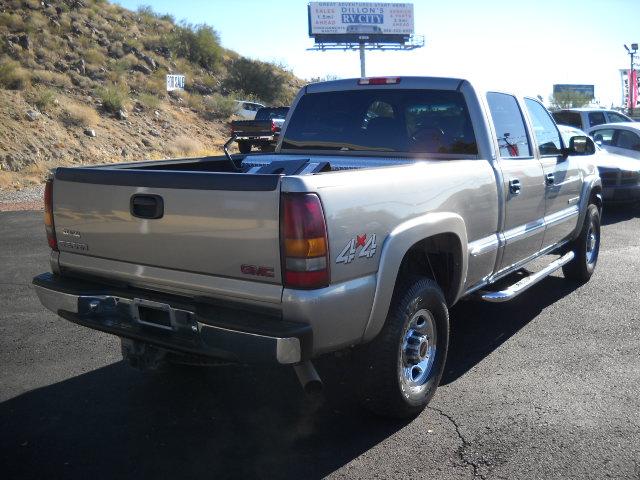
point(274, 127)
point(305, 251)
point(48, 215)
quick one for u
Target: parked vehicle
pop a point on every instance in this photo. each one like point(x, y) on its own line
point(387, 201)
point(620, 138)
point(585, 118)
point(247, 110)
point(263, 132)
point(620, 174)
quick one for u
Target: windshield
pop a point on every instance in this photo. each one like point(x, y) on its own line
point(272, 113)
point(382, 120)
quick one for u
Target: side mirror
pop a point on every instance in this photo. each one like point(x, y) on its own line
point(580, 145)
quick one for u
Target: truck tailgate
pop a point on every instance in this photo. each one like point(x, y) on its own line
point(219, 224)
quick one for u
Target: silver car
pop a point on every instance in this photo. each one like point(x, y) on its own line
point(620, 174)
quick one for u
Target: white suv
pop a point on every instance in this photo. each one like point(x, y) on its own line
point(247, 110)
point(585, 118)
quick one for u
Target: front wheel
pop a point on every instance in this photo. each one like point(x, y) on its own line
point(401, 368)
point(586, 248)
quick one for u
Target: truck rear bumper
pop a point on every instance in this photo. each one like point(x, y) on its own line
point(175, 323)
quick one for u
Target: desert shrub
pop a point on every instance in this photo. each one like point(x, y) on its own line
point(185, 146)
point(49, 77)
point(195, 101)
point(149, 101)
point(93, 56)
point(12, 21)
point(13, 76)
point(198, 43)
point(219, 106)
point(261, 79)
point(113, 97)
point(79, 115)
point(43, 98)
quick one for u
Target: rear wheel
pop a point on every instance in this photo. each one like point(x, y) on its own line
point(586, 248)
point(244, 146)
point(401, 368)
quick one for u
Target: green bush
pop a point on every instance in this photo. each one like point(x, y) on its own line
point(219, 106)
point(113, 97)
point(257, 78)
point(198, 43)
point(43, 98)
point(13, 76)
point(149, 101)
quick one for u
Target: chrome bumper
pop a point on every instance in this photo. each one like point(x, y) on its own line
point(196, 328)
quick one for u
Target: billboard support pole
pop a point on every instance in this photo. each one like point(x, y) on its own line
point(362, 66)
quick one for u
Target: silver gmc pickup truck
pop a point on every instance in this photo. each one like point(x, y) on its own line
point(386, 201)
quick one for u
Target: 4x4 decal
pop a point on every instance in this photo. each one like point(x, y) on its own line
point(366, 243)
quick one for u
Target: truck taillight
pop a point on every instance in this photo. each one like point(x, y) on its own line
point(48, 215)
point(303, 233)
point(274, 127)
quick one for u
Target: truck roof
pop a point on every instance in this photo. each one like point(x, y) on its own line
point(438, 83)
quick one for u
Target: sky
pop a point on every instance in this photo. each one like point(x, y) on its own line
point(522, 46)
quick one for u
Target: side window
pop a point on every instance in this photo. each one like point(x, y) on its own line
point(546, 132)
point(616, 117)
point(603, 136)
point(510, 129)
point(628, 140)
point(596, 118)
point(568, 118)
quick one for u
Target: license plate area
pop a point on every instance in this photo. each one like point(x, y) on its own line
point(154, 314)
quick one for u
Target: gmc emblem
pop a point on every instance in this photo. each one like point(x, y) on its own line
point(257, 270)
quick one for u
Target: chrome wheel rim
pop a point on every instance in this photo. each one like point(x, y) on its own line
point(417, 353)
point(592, 244)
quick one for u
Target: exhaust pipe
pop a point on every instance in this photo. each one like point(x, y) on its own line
point(308, 378)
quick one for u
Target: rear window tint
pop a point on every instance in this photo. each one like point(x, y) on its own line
point(382, 120)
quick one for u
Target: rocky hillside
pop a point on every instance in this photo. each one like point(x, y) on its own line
point(83, 81)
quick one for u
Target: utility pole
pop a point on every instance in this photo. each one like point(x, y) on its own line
point(362, 69)
point(632, 79)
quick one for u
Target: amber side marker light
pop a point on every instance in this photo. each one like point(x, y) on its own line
point(303, 233)
point(48, 215)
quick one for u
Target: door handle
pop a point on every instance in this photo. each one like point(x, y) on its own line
point(147, 206)
point(514, 186)
point(550, 178)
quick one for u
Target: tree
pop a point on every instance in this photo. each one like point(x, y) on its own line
point(569, 100)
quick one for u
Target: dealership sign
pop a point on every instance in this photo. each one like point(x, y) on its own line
point(360, 18)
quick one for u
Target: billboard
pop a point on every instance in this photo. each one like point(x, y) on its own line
point(587, 90)
point(360, 21)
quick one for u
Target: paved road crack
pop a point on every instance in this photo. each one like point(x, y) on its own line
point(465, 444)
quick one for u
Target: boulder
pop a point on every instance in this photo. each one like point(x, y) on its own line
point(33, 115)
point(89, 132)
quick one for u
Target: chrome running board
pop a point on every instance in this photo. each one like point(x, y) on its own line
point(520, 286)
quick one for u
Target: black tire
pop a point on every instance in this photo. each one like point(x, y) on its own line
point(586, 248)
point(244, 146)
point(385, 364)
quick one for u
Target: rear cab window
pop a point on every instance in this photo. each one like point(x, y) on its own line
point(545, 130)
point(511, 133)
point(382, 120)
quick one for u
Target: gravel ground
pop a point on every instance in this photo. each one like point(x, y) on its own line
point(29, 198)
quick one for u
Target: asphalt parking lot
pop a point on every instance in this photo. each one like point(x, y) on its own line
point(547, 386)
